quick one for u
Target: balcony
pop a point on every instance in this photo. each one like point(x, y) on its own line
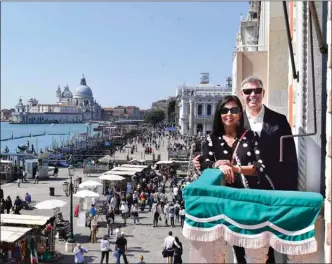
point(218, 216)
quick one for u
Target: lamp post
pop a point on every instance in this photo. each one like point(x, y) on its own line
point(69, 189)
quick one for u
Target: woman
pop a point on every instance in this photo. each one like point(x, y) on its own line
point(134, 212)
point(177, 251)
point(234, 150)
point(94, 229)
point(9, 204)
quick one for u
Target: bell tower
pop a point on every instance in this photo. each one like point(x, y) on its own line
point(58, 94)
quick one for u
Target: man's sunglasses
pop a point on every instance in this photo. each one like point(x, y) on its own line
point(234, 110)
point(255, 90)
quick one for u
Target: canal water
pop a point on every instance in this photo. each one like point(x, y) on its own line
point(40, 142)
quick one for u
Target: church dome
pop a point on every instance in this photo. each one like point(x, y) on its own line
point(66, 93)
point(83, 91)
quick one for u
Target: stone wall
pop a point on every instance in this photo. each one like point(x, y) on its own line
point(328, 158)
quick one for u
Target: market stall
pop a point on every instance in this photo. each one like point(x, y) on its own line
point(43, 238)
point(14, 246)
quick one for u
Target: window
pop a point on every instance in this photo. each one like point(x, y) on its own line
point(209, 110)
point(199, 110)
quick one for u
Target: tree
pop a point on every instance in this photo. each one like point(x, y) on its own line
point(171, 111)
point(154, 117)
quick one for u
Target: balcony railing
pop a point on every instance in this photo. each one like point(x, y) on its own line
point(217, 215)
point(203, 116)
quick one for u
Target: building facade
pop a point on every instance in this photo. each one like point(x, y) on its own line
point(6, 114)
point(121, 112)
point(309, 105)
point(197, 105)
point(69, 108)
point(304, 96)
point(262, 50)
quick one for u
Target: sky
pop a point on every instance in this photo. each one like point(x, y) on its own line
point(129, 53)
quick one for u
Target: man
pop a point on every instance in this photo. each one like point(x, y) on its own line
point(168, 247)
point(93, 211)
point(270, 126)
point(79, 253)
point(121, 248)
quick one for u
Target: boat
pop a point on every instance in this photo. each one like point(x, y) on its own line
point(22, 147)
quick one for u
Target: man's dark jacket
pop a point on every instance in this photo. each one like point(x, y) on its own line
point(283, 174)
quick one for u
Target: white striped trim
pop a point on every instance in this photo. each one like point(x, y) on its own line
point(263, 239)
point(250, 227)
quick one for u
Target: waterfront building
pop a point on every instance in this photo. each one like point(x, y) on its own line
point(121, 112)
point(69, 108)
point(197, 104)
point(6, 114)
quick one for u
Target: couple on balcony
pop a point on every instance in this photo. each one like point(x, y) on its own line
point(245, 146)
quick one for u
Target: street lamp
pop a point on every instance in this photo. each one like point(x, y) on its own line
point(69, 189)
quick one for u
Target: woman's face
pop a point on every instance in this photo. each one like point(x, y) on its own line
point(230, 114)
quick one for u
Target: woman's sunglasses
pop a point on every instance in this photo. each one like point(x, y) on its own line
point(255, 90)
point(234, 110)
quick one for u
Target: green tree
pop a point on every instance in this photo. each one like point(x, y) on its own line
point(154, 117)
point(171, 110)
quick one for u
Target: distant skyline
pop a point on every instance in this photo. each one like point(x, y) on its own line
point(129, 53)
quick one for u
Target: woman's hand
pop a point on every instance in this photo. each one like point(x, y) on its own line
point(196, 162)
point(228, 173)
point(222, 162)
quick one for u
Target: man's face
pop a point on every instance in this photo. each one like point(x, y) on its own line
point(253, 95)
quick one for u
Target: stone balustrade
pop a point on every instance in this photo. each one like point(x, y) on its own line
point(218, 216)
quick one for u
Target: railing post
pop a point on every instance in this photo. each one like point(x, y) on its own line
point(258, 255)
point(219, 251)
point(208, 252)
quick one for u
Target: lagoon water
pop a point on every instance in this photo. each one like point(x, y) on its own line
point(40, 142)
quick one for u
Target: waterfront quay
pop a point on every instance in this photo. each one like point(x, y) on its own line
point(143, 238)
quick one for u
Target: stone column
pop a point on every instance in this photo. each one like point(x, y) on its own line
point(258, 255)
point(328, 157)
point(208, 252)
point(191, 116)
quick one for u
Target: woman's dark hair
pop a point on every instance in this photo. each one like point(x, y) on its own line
point(218, 126)
point(177, 239)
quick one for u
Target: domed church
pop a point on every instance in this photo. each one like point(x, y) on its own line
point(82, 99)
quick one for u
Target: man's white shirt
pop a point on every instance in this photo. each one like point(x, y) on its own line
point(175, 191)
point(256, 122)
point(169, 242)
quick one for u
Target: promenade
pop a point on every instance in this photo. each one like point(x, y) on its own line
point(143, 239)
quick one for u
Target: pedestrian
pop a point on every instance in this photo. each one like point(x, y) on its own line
point(24, 173)
point(168, 247)
point(171, 214)
point(134, 212)
point(94, 229)
point(105, 249)
point(9, 204)
point(79, 253)
point(124, 211)
point(141, 258)
point(37, 177)
point(118, 232)
point(109, 216)
point(19, 181)
point(121, 248)
point(182, 215)
point(178, 250)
